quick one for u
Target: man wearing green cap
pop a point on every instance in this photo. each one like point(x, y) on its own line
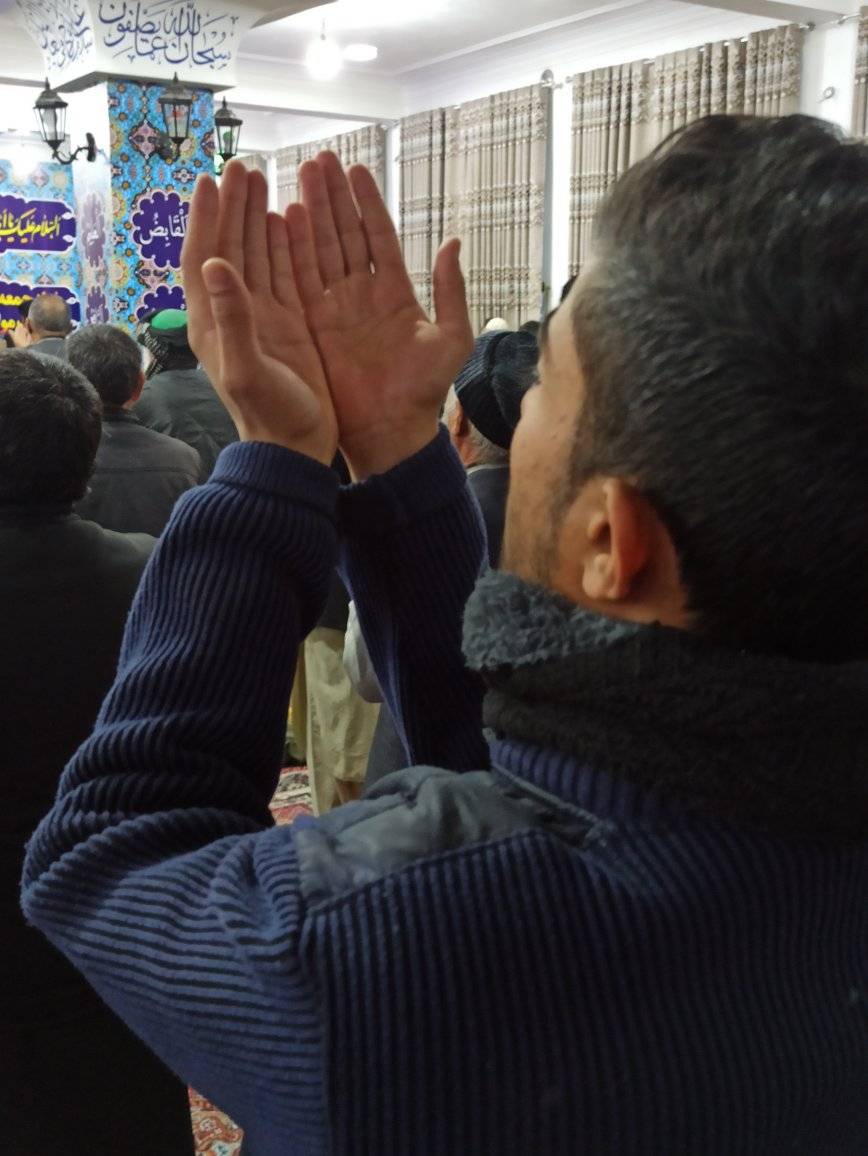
point(178, 399)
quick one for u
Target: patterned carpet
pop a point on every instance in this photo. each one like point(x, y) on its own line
point(215, 1133)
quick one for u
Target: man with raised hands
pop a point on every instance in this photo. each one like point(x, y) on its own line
point(644, 929)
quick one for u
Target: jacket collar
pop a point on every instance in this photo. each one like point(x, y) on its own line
point(590, 707)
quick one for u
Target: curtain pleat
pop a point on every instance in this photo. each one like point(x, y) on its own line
point(494, 182)
point(610, 133)
point(366, 146)
point(860, 102)
point(421, 196)
point(621, 113)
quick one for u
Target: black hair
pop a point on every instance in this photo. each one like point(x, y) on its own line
point(50, 426)
point(109, 359)
point(722, 333)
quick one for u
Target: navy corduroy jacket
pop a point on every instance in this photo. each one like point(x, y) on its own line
point(533, 959)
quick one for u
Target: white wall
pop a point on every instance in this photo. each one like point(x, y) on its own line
point(830, 62)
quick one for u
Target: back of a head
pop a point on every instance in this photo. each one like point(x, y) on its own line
point(50, 426)
point(49, 316)
point(109, 359)
point(722, 332)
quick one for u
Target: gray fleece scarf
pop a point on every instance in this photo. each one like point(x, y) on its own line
point(769, 742)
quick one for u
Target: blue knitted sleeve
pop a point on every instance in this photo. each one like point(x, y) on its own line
point(158, 871)
point(413, 545)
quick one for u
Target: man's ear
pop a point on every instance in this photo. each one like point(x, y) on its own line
point(619, 533)
point(137, 392)
point(457, 422)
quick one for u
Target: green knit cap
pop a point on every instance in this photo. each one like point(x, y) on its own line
point(170, 326)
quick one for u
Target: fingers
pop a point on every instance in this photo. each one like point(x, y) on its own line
point(232, 215)
point(353, 242)
point(450, 300)
point(232, 310)
point(304, 256)
point(257, 270)
point(383, 244)
point(199, 244)
point(315, 197)
point(282, 276)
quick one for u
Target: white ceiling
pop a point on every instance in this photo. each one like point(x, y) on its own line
point(410, 35)
point(413, 34)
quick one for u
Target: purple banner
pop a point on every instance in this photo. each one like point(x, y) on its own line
point(12, 294)
point(37, 226)
point(159, 228)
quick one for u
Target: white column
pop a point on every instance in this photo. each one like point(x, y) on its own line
point(271, 174)
point(392, 192)
point(562, 145)
point(829, 62)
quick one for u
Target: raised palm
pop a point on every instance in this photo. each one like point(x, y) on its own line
point(388, 366)
point(246, 321)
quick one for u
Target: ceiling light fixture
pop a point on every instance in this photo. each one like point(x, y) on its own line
point(361, 53)
point(323, 58)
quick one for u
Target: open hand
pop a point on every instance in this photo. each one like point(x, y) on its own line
point(246, 322)
point(388, 366)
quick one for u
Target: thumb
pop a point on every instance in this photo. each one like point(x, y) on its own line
point(450, 300)
point(232, 310)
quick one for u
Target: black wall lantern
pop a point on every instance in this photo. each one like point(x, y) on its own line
point(227, 131)
point(176, 102)
point(51, 109)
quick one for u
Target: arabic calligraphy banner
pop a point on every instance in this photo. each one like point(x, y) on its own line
point(39, 242)
point(38, 226)
point(145, 39)
point(13, 294)
point(159, 228)
point(175, 33)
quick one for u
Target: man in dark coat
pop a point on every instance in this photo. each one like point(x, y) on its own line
point(139, 474)
point(178, 399)
point(73, 1079)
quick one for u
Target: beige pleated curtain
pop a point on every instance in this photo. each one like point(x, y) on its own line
point(860, 103)
point(364, 146)
point(621, 113)
point(255, 162)
point(611, 130)
point(420, 223)
point(477, 171)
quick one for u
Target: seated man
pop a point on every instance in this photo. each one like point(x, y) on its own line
point(73, 1078)
point(139, 474)
point(45, 327)
point(178, 399)
point(645, 928)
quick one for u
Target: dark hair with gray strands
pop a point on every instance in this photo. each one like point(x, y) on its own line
point(49, 316)
point(50, 426)
point(721, 327)
point(109, 359)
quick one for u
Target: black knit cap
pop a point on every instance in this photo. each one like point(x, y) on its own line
point(494, 379)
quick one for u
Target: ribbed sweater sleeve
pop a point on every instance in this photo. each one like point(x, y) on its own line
point(157, 871)
point(413, 545)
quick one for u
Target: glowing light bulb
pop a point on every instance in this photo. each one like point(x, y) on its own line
point(323, 58)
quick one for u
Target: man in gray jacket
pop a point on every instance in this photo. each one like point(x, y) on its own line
point(139, 473)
